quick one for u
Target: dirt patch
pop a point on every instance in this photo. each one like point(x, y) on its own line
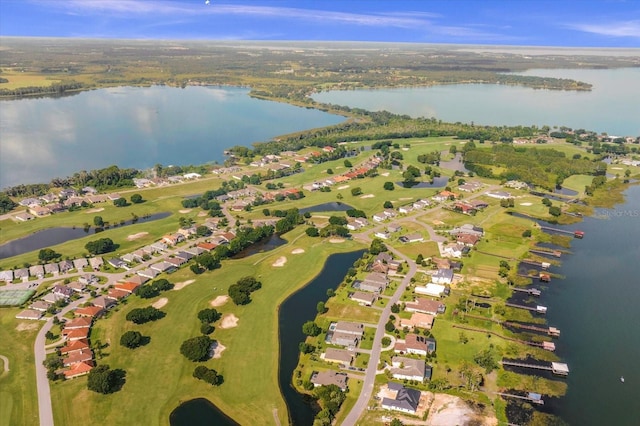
point(99, 209)
point(24, 326)
point(183, 211)
point(437, 222)
point(368, 196)
point(384, 174)
point(336, 240)
point(280, 262)
point(229, 321)
point(297, 251)
point(160, 303)
point(183, 284)
point(203, 214)
point(219, 301)
point(451, 410)
point(343, 187)
point(136, 236)
point(217, 348)
point(406, 198)
point(526, 204)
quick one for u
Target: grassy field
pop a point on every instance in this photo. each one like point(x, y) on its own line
point(24, 79)
point(250, 392)
point(18, 398)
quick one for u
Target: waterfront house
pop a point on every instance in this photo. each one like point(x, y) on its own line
point(6, 276)
point(80, 264)
point(330, 377)
point(356, 329)
point(36, 271)
point(374, 282)
point(340, 356)
point(364, 298)
point(51, 268)
point(65, 266)
point(344, 339)
point(96, 263)
point(405, 400)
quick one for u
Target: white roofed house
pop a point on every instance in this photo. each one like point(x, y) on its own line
point(375, 282)
point(37, 271)
point(409, 369)
point(80, 263)
point(364, 298)
point(6, 276)
point(96, 263)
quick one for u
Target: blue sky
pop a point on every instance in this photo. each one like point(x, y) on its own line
point(578, 23)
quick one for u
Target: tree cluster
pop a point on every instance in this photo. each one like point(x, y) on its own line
point(153, 289)
point(330, 399)
point(103, 379)
point(196, 348)
point(208, 375)
point(144, 315)
point(240, 292)
point(100, 246)
point(131, 339)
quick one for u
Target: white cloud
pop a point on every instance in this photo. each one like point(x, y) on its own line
point(611, 29)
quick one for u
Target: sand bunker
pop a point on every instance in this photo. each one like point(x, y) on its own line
point(297, 251)
point(202, 214)
point(336, 240)
point(368, 196)
point(343, 187)
point(99, 209)
point(160, 303)
point(229, 321)
point(219, 301)
point(183, 284)
point(184, 211)
point(406, 198)
point(384, 174)
point(217, 348)
point(526, 204)
point(280, 262)
point(136, 236)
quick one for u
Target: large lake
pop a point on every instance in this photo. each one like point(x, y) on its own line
point(137, 127)
point(612, 105)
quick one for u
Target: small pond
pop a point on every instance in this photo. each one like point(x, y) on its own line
point(335, 206)
point(199, 412)
point(267, 244)
point(53, 236)
point(439, 182)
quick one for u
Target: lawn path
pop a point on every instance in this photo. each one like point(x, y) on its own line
point(5, 361)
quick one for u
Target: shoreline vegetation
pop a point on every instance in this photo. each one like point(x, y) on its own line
point(409, 150)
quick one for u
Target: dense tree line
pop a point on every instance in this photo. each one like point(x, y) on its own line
point(6, 203)
point(53, 89)
point(330, 399)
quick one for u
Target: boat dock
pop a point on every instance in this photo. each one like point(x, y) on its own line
point(549, 346)
point(557, 368)
point(538, 308)
point(551, 331)
point(576, 234)
point(531, 291)
point(532, 397)
point(554, 253)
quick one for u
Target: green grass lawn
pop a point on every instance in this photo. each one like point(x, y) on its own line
point(18, 396)
point(158, 394)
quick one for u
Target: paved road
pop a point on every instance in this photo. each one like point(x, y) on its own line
point(374, 358)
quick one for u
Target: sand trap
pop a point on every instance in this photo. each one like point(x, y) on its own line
point(184, 211)
point(99, 209)
point(297, 251)
point(343, 187)
point(406, 198)
point(526, 204)
point(384, 174)
point(219, 301)
point(617, 168)
point(202, 214)
point(229, 321)
point(183, 284)
point(217, 348)
point(437, 222)
point(336, 240)
point(368, 196)
point(280, 262)
point(136, 236)
point(160, 303)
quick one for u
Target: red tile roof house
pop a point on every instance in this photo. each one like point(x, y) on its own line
point(114, 294)
point(425, 306)
point(76, 323)
point(77, 357)
point(89, 311)
point(77, 370)
point(77, 334)
point(129, 287)
point(207, 246)
point(75, 346)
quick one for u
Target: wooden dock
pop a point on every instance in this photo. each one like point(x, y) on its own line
point(554, 253)
point(549, 346)
point(538, 309)
point(557, 368)
point(551, 331)
point(531, 397)
point(531, 291)
point(576, 234)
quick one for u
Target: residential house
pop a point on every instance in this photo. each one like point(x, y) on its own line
point(394, 227)
point(77, 357)
point(62, 291)
point(128, 287)
point(52, 268)
point(162, 266)
point(159, 246)
point(6, 276)
point(456, 250)
point(79, 264)
point(148, 273)
point(39, 211)
point(442, 276)
point(176, 262)
point(431, 289)
point(75, 346)
point(29, 202)
point(173, 239)
point(206, 246)
point(24, 217)
point(77, 334)
point(500, 195)
point(77, 286)
point(418, 320)
point(96, 199)
point(340, 356)
point(406, 209)
point(137, 279)
point(76, 323)
point(65, 266)
point(87, 279)
point(409, 369)
point(472, 186)
point(412, 238)
point(96, 263)
point(383, 234)
point(115, 294)
point(426, 306)
point(329, 377)
point(374, 282)
point(468, 240)
point(77, 370)
point(405, 400)
point(36, 271)
point(103, 302)
point(21, 274)
point(415, 344)
point(352, 225)
point(89, 311)
point(118, 263)
point(343, 339)
point(185, 255)
point(357, 329)
point(30, 314)
point(363, 298)
point(40, 305)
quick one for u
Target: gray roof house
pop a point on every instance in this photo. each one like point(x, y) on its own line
point(36, 271)
point(344, 339)
point(409, 369)
point(330, 377)
point(80, 263)
point(406, 400)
